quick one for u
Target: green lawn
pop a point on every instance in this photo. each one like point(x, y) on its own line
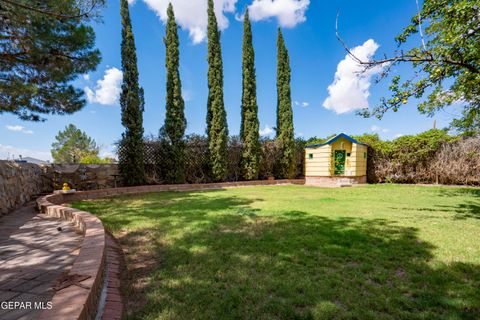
point(295, 252)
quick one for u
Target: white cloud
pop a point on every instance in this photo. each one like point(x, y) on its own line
point(266, 131)
point(14, 128)
point(107, 90)
point(398, 135)
point(191, 15)
point(289, 13)
point(108, 152)
point(18, 128)
point(86, 77)
point(187, 95)
point(8, 152)
point(302, 104)
point(350, 88)
point(376, 128)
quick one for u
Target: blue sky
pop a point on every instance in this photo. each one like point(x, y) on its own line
point(315, 53)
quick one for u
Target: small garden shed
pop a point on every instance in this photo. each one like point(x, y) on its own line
point(341, 160)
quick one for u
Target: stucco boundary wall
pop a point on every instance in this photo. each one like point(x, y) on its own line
point(79, 303)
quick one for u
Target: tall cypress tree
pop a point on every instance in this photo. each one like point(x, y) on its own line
point(175, 122)
point(217, 128)
point(131, 156)
point(285, 132)
point(249, 127)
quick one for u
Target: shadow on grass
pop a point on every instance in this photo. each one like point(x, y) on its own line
point(471, 191)
point(468, 209)
point(175, 209)
point(217, 258)
point(460, 211)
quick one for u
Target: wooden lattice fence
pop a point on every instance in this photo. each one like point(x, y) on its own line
point(197, 169)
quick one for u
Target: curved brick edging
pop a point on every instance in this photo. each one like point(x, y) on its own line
point(102, 193)
point(113, 308)
point(78, 303)
point(75, 302)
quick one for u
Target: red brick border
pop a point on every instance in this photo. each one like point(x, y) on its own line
point(113, 308)
point(78, 303)
point(102, 193)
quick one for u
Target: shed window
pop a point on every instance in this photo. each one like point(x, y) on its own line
point(365, 155)
point(310, 156)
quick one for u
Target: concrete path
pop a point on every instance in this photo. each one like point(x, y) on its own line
point(33, 254)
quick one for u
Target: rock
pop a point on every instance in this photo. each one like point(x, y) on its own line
point(19, 182)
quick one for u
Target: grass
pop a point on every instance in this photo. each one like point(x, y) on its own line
point(295, 252)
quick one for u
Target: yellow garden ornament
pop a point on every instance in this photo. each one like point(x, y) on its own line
point(65, 189)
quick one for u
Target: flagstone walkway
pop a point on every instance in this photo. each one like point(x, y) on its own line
point(35, 250)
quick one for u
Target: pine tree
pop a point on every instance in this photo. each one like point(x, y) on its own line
point(217, 128)
point(175, 122)
point(44, 47)
point(285, 132)
point(249, 127)
point(131, 155)
point(72, 145)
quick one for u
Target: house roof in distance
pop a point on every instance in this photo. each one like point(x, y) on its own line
point(33, 160)
point(332, 140)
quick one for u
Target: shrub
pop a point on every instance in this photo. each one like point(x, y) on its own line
point(158, 159)
point(432, 156)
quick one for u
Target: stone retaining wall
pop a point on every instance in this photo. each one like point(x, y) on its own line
point(20, 182)
point(85, 176)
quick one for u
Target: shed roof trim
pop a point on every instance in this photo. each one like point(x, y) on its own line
point(332, 140)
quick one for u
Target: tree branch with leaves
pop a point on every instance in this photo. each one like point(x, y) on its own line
point(44, 46)
point(446, 63)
